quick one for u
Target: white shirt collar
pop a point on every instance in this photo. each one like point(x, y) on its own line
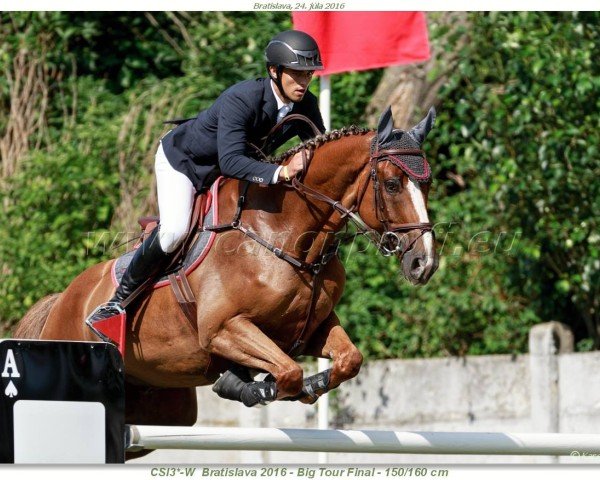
point(280, 103)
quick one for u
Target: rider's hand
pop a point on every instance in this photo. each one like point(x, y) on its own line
point(293, 168)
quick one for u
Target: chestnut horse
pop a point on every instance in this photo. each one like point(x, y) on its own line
point(258, 310)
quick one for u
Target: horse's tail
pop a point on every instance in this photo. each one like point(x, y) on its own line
point(32, 323)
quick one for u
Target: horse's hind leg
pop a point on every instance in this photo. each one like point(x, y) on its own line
point(159, 406)
point(331, 341)
point(32, 323)
point(242, 342)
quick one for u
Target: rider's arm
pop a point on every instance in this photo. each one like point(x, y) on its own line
point(277, 175)
point(235, 119)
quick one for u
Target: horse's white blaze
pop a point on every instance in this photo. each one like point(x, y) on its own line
point(418, 201)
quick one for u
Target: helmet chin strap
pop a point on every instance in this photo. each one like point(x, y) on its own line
point(277, 81)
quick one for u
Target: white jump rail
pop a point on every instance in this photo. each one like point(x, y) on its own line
point(360, 441)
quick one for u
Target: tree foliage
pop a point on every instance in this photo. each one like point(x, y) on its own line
point(514, 154)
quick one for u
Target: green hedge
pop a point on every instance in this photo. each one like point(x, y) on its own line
point(517, 122)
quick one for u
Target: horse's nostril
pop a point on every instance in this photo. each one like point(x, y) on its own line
point(417, 264)
point(416, 268)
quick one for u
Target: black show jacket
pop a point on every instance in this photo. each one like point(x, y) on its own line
point(216, 141)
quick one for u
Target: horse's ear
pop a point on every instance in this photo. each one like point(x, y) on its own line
point(420, 131)
point(385, 127)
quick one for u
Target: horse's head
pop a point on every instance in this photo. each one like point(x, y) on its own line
point(385, 178)
point(396, 203)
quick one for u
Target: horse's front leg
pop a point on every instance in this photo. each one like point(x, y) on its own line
point(330, 341)
point(239, 340)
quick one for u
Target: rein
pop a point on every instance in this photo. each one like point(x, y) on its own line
point(390, 238)
point(288, 118)
point(388, 243)
point(236, 224)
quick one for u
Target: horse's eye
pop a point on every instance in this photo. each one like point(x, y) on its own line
point(393, 185)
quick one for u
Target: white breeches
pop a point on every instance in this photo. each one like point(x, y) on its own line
point(175, 202)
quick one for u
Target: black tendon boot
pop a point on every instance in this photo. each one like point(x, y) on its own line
point(237, 384)
point(148, 262)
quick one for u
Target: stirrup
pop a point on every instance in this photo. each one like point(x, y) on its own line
point(105, 312)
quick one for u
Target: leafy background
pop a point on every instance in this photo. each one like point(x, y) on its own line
point(514, 153)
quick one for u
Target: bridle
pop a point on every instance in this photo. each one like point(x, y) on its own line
point(390, 242)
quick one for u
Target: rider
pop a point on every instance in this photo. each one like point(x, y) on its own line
point(215, 142)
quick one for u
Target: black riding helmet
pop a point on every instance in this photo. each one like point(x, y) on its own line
point(294, 50)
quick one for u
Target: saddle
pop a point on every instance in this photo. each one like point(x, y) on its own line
point(186, 259)
point(202, 230)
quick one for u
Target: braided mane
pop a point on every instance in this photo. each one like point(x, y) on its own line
point(319, 140)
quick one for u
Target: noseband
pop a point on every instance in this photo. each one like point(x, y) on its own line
point(390, 242)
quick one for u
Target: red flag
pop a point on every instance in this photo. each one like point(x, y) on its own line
point(364, 40)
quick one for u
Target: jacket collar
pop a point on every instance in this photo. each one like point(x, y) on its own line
point(270, 103)
point(280, 102)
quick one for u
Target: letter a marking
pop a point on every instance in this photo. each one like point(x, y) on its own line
point(10, 364)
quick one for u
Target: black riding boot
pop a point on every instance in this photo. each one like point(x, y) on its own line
point(148, 261)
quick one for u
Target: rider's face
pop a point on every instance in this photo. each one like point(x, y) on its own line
point(295, 83)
